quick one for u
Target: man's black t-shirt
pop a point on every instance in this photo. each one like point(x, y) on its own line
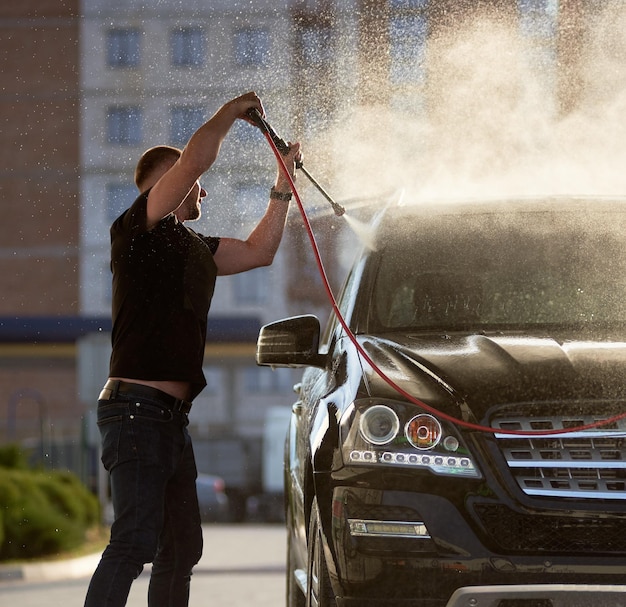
point(163, 282)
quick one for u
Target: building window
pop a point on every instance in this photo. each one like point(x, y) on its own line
point(538, 23)
point(252, 288)
point(538, 6)
point(407, 35)
point(263, 381)
point(316, 45)
point(184, 121)
point(313, 121)
point(124, 124)
point(214, 379)
point(123, 47)
point(107, 283)
point(250, 200)
point(252, 46)
point(408, 3)
point(188, 47)
point(119, 196)
point(538, 18)
point(243, 132)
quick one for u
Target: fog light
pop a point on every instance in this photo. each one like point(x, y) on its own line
point(379, 425)
point(361, 527)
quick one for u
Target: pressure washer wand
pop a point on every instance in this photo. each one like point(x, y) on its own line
point(339, 210)
point(283, 148)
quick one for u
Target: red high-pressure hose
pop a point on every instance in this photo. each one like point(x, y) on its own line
point(367, 358)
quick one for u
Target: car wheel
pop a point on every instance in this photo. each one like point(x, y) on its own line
point(295, 596)
point(319, 591)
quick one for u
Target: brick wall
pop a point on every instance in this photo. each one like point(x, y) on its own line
point(39, 157)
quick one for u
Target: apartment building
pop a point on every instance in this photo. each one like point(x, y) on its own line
point(92, 84)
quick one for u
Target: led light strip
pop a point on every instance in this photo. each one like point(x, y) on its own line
point(441, 464)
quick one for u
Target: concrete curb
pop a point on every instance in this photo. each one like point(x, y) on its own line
point(45, 571)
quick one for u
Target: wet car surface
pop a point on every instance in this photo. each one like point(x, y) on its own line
point(497, 322)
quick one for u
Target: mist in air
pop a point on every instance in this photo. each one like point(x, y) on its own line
point(490, 123)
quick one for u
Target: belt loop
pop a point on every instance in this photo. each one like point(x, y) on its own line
point(115, 388)
point(181, 405)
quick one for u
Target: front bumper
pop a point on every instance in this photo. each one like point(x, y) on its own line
point(554, 595)
point(546, 595)
point(439, 559)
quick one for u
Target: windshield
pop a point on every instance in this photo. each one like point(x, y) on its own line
point(494, 270)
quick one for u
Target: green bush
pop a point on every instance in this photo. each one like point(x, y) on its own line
point(13, 456)
point(42, 512)
point(67, 495)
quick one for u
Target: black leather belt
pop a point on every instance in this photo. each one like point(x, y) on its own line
point(113, 387)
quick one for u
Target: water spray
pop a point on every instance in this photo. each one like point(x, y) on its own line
point(283, 148)
point(280, 148)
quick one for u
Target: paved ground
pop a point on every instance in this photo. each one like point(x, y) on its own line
point(243, 565)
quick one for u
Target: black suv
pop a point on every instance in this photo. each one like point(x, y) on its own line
point(449, 454)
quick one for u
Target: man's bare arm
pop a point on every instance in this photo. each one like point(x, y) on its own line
point(176, 182)
point(234, 256)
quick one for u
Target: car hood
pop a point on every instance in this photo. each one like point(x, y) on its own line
point(483, 370)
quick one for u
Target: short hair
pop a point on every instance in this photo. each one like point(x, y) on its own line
point(151, 159)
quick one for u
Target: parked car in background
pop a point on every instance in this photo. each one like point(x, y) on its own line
point(212, 498)
point(503, 320)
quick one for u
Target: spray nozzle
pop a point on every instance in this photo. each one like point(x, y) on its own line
point(283, 148)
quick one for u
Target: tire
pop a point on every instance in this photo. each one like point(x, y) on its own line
point(319, 590)
point(295, 597)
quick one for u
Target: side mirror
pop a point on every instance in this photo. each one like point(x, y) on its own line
point(292, 342)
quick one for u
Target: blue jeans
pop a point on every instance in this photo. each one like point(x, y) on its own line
point(148, 452)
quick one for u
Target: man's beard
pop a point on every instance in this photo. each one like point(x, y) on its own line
point(193, 213)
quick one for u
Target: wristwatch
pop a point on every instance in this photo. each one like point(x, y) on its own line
point(276, 195)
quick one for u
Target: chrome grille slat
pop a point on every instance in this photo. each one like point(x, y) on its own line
point(607, 495)
point(589, 464)
point(567, 435)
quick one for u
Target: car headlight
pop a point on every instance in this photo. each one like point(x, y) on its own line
point(423, 432)
point(379, 425)
point(391, 433)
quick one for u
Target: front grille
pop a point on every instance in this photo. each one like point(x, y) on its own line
point(521, 532)
point(588, 464)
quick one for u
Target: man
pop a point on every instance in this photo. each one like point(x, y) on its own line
point(163, 279)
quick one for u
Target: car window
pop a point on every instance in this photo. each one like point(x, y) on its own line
point(532, 269)
point(345, 303)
